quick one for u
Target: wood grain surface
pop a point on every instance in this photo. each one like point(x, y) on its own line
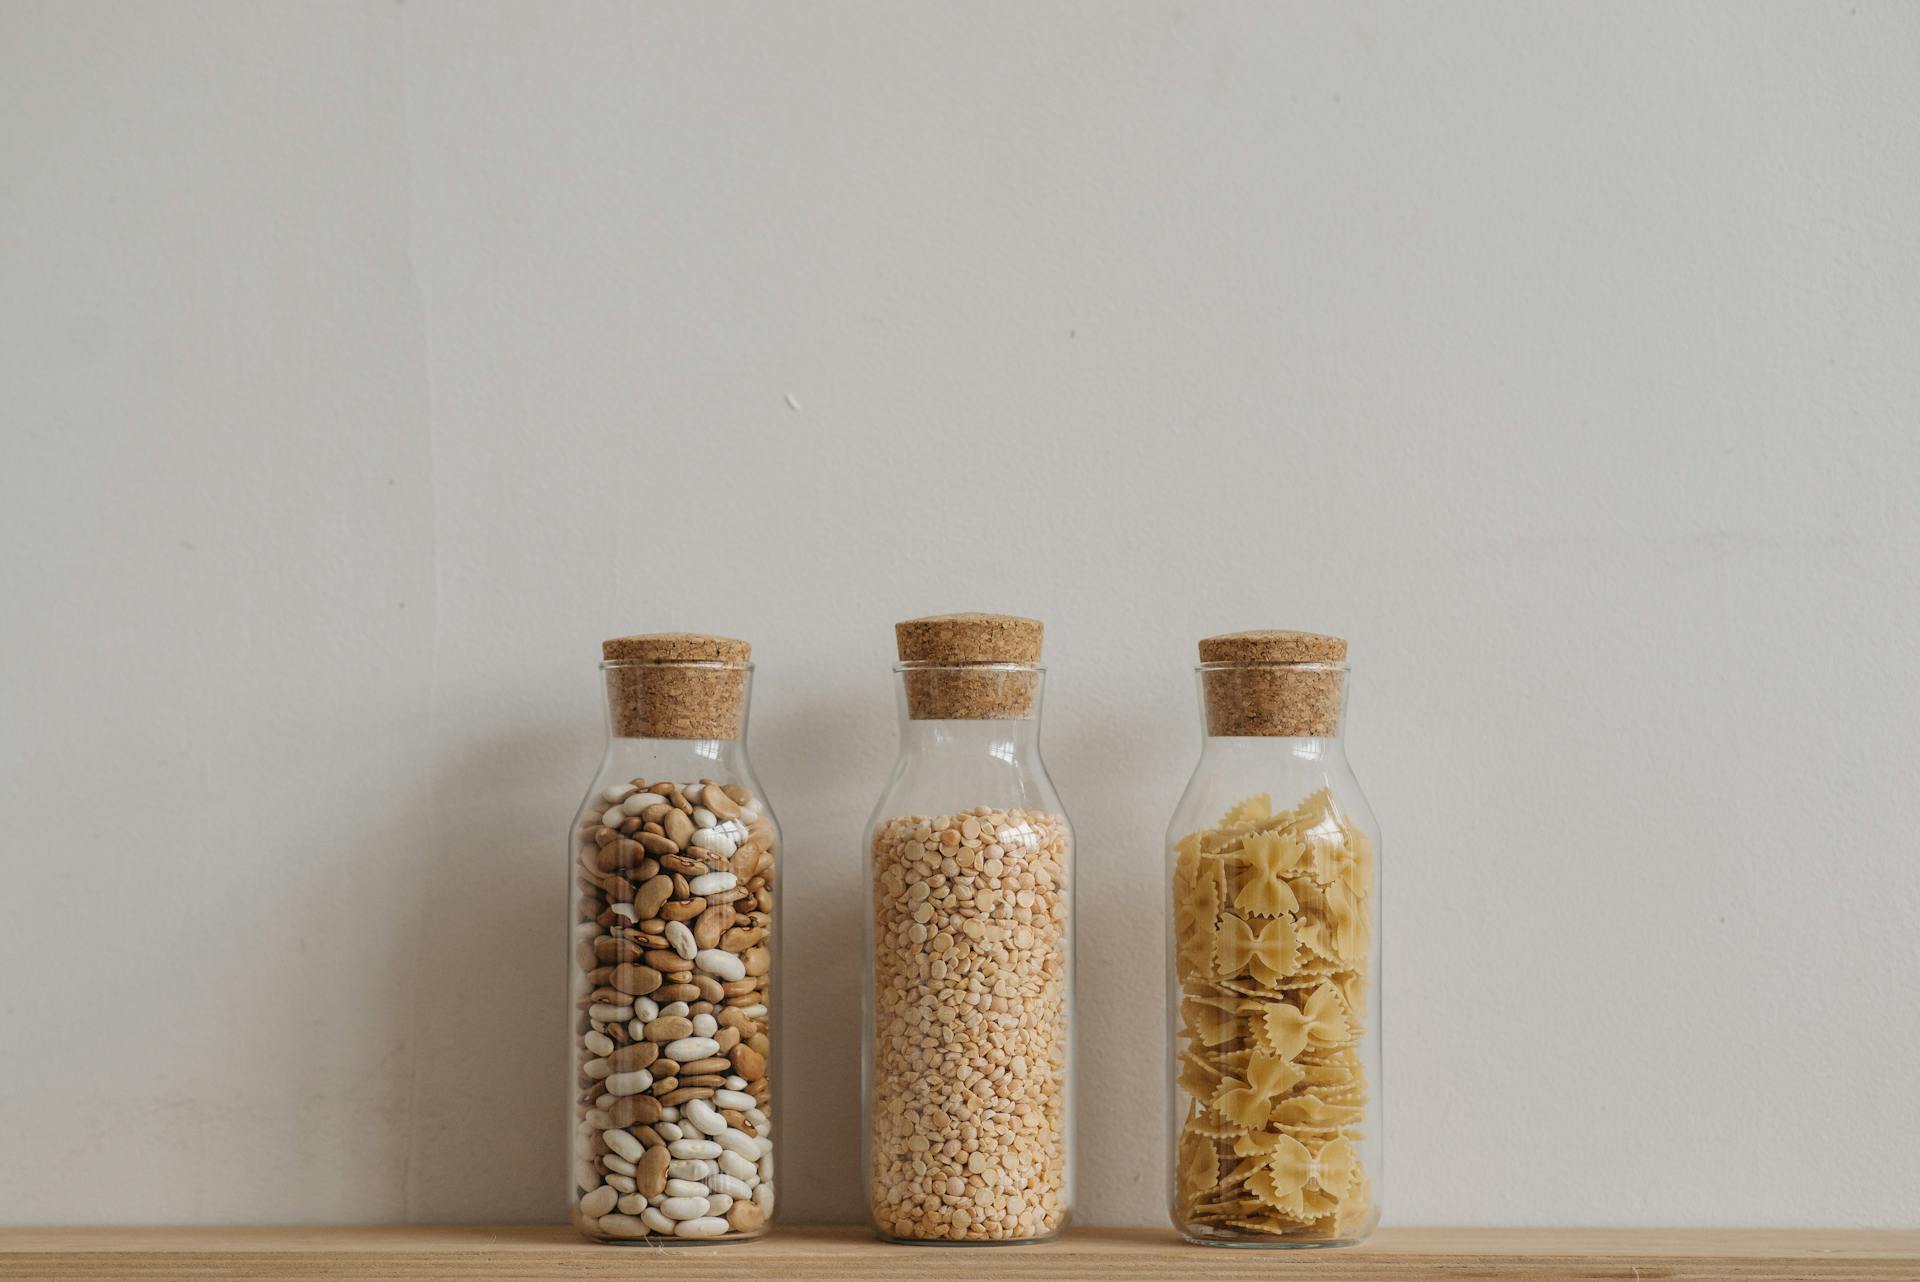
point(847, 1255)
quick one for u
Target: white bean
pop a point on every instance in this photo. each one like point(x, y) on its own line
point(623, 910)
point(756, 1011)
point(619, 1165)
point(737, 1100)
point(763, 1196)
point(614, 817)
point(624, 1183)
point(713, 883)
point(668, 1131)
point(705, 1226)
point(766, 1167)
point(598, 1119)
point(680, 939)
point(735, 1082)
point(705, 1025)
point(684, 1208)
point(759, 1120)
point(674, 1008)
point(722, 965)
point(621, 1226)
point(659, 1223)
point(609, 1014)
point(686, 1188)
point(638, 802)
point(688, 1049)
point(737, 1189)
point(696, 1148)
point(598, 1043)
point(618, 793)
point(713, 842)
point(633, 1204)
point(740, 1142)
point(596, 1068)
point(719, 1203)
point(629, 1083)
point(690, 1168)
point(645, 1008)
point(749, 813)
point(670, 1113)
point(626, 1145)
point(606, 1100)
point(737, 1166)
point(693, 792)
point(762, 1145)
point(599, 1202)
point(703, 818)
point(704, 1118)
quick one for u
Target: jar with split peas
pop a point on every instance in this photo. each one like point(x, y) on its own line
point(969, 1010)
point(1274, 957)
point(672, 860)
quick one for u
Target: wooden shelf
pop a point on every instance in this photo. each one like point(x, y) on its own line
point(846, 1255)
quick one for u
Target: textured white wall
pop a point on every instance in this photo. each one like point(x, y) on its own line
point(357, 359)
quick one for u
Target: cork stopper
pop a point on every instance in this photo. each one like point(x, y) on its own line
point(1251, 687)
point(965, 677)
point(676, 685)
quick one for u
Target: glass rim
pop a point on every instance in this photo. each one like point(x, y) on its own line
point(947, 665)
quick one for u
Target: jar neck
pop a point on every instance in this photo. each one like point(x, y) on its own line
point(1226, 750)
point(676, 760)
point(1010, 740)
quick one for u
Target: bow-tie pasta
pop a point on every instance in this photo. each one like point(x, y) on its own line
point(1273, 921)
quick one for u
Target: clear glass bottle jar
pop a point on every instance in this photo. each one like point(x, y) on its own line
point(969, 999)
point(672, 859)
point(1274, 958)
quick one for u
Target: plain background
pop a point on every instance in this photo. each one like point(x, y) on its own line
point(364, 365)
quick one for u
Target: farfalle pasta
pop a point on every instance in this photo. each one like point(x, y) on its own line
point(1273, 922)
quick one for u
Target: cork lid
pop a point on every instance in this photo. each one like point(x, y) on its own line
point(676, 685)
point(1250, 689)
point(969, 638)
point(978, 667)
point(1271, 646)
point(675, 647)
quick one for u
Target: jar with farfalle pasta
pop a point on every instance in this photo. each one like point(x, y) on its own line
point(1274, 992)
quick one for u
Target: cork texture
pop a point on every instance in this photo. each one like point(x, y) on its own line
point(969, 638)
point(1255, 693)
point(960, 681)
point(676, 685)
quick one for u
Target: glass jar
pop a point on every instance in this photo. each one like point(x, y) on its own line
point(674, 953)
point(969, 1000)
point(1274, 958)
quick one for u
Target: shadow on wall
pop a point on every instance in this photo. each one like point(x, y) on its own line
point(822, 960)
point(488, 1033)
point(490, 1027)
point(489, 1030)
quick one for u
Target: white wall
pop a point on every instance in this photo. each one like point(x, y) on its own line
point(360, 361)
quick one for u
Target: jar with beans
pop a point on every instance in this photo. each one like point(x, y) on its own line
point(1274, 957)
point(672, 860)
point(969, 1016)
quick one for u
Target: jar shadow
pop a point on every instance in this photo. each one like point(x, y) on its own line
point(810, 754)
point(489, 1026)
